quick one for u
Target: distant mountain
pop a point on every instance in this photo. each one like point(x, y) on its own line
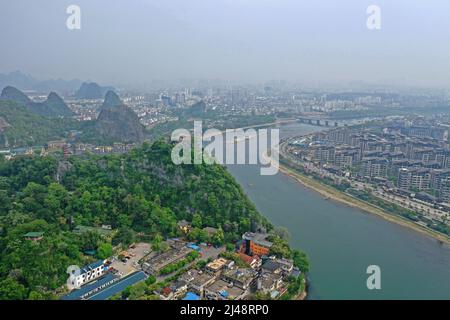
point(54, 106)
point(26, 82)
point(14, 94)
point(91, 90)
point(24, 122)
point(17, 79)
point(58, 85)
point(118, 123)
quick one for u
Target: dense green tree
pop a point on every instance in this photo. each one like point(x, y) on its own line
point(150, 280)
point(139, 193)
point(10, 289)
point(125, 236)
point(282, 232)
point(197, 220)
point(230, 247)
point(137, 291)
point(218, 238)
point(156, 242)
point(300, 260)
point(198, 235)
point(280, 247)
point(104, 251)
point(90, 240)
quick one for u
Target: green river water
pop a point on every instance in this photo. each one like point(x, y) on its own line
point(342, 241)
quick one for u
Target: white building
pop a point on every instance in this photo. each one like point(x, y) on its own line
point(90, 272)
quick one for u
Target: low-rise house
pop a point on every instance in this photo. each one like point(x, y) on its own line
point(277, 266)
point(221, 290)
point(90, 272)
point(179, 289)
point(166, 293)
point(254, 262)
point(156, 262)
point(191, 296)
point(240, 277)
point(271, 266)
point(80, 229)
point(56, 145)
point(184, 226)
point(269, 282)
point(295, 272)
point(34, 236)
point(286, 265)
point(218, 265)
point(200, 281)
point(189, 275)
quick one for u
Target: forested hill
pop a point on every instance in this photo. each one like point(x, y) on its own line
point(20, 127)
point(53, 107)
point(139, 192)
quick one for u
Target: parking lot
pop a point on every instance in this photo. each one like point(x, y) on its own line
point(135, 253)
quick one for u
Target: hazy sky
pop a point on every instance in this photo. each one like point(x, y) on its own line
point(133, 42)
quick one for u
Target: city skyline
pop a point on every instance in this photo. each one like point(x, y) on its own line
point(314, 44)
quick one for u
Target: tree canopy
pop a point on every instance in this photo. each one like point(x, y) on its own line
point(141, 192)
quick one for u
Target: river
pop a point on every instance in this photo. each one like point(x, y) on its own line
point(342, 242)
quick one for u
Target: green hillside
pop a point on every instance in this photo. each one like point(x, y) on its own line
point(23, 128)
point(142, 191)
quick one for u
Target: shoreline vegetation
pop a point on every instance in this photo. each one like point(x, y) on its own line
point(330, 193)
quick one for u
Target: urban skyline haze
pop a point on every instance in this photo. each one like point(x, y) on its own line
point(245, 41)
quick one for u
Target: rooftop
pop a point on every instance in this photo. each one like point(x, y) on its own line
point(77, 294)
point(258, 238)
point(242, 275)
point(268, 279)
point(93, 265)
point(201, 279)
point(217, 264)
point(247, 259)
point(223, 289)
point(183, 223)
point(191, 296)
point(33, 234)
point(119, 286)
point(271, 265)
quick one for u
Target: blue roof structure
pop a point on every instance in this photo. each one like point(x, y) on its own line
point(191, 296)
point(119, 286)
point(90, 252)
point(224, 293)
point(91, 266)
point(78, 294)
point(193, 246)
point(274, 294)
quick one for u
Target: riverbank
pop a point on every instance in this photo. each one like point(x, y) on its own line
point(333, 194)
point(304, 294)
